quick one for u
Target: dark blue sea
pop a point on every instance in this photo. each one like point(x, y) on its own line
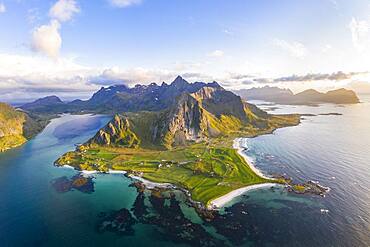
point(331, 149)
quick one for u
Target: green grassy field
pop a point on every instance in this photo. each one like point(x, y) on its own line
point(207, 172)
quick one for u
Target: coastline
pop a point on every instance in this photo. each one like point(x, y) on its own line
point(219, 202)
point(152, 185)
point(223, 200)
point(148, 184)
point(214, 204)
point(237, 144)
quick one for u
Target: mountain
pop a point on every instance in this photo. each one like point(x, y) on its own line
point(185, 137)
point(120, 98)
point(16, 127)
point(310, 96)
point(207, 113)
point(49, 104)
point(272, 93)
point(150, 97)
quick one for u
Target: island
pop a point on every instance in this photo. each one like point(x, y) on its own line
point(189, 141)
point(307, 97)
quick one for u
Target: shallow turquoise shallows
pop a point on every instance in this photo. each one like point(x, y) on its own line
point(331, 149)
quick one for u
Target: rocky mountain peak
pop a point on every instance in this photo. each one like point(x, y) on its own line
point(116, 132)
point(180, 82)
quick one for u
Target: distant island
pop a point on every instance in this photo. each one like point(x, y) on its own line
point(307, 97)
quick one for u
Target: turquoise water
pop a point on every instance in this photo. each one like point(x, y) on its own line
point(334, 150)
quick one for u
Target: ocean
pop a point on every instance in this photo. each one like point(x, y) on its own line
point(333, 149)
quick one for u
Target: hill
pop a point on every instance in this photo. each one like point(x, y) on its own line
point(49, 104)
point(310, 96)
point(16, 127)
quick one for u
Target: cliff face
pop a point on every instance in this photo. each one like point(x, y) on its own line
point(116, 133)
point(16, 127)
point(199, 116)
point(185, 122)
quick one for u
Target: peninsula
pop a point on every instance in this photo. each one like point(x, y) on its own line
point(182, 134)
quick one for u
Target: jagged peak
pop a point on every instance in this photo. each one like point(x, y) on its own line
point(117, 133)
point(204, 93)
point(214, 84)
point(179, 81)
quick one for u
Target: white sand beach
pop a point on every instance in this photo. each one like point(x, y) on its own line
point(239, 146)
point(151, 185)
point(221, 201)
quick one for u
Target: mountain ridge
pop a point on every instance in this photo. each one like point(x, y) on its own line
point(309, 96)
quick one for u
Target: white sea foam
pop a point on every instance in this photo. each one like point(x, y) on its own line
point(239, 144)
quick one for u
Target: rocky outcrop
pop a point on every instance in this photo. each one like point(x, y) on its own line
point(186, 122)
point(116, 133)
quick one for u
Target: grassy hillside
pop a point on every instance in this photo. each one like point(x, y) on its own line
point(17, 127)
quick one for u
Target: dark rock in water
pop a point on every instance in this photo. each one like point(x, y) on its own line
point(62, 184)
point(120, 222)
point(169, 218)
point(177, 228)
point(78, 182)
point(140, 187)
point(311, 187)
point(83, 184)
point(139, 208)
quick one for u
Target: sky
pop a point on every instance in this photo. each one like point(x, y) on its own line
point(71, 48)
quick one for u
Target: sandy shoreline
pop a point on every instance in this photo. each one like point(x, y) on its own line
point(218, 202)
point(148, 184)
point(152, 185)
point(221, 201)
point(238, 146)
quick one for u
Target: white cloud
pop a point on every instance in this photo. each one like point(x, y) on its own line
point(360, 33)
point(124, 3)
point(63, 10)
point(47, 39)
point(2, 8)
point(29, 77)
point(216, 53)
point(132, 76)
point(295, 49)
